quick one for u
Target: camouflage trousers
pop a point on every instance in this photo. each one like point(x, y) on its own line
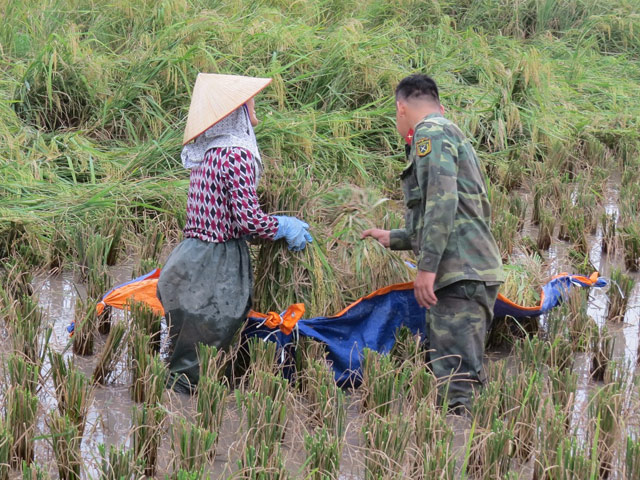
point(456, 328)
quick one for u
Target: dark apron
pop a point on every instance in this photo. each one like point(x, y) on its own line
point(205, 289)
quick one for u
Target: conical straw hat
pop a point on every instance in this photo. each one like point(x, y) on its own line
point(216, 96)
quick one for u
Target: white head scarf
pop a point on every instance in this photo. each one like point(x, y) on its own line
point(235, 130)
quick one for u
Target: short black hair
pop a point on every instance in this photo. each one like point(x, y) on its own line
point(418, 86)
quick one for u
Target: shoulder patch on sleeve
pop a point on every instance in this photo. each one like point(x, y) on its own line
point(423, 147)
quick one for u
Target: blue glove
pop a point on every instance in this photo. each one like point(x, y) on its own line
point(295, 231)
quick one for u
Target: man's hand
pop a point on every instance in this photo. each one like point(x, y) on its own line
point(423, 289)
point(382, 236)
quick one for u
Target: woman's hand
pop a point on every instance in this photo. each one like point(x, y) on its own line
point(295, 231)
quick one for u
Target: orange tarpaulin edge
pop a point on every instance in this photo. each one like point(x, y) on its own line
point(409, 286)
point(588, 280)
point(145, 291)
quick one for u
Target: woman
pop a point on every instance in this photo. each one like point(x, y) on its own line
point(205, 286)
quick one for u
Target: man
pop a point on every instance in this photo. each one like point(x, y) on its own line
point(447, 226)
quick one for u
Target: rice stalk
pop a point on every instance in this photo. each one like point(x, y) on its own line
point(551, 432)
point(155, 375)
point(214, 362)
point(147, 431)
point(117, 463)
point(545, 231)
point(620, 290)
point(33, 472)
point(408, 347)
point(191, 445)
point(602, 345)
point(21, 411)
point(73, 391)
point(26, 330)
point(144, 319)
point(608, 222)
point(386, 440)
point(261, 462)
point(562, 386)
point(606, 408)
point(110, 354)
point(323, 398)
point(518, 208)
point(262, 355)
point(632, 457)
point(6, 442)
point(630, 235)
point(211, 405)
point(423, 386)
point(140, 358)
point(522, 409)
point(581, 325)
point(323, 450)
point(66, 441)
point(17, 278)
point(85, 328)
point(433, 444)
point(150, 249)
point(491, 454)
point(489, 404)
point(382, 384)
point(148, 370)
point(23, 372)
point(265, 417)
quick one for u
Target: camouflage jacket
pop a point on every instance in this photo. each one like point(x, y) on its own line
point(448, 213)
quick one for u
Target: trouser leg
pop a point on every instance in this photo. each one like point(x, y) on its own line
point(457, 327)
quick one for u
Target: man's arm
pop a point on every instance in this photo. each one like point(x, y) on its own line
point(437, 177)
point(399, 239)
point(438, 181)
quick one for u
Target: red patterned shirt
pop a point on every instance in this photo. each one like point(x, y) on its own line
point(222, 202)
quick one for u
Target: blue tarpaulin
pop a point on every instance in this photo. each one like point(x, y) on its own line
point(372, 321)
